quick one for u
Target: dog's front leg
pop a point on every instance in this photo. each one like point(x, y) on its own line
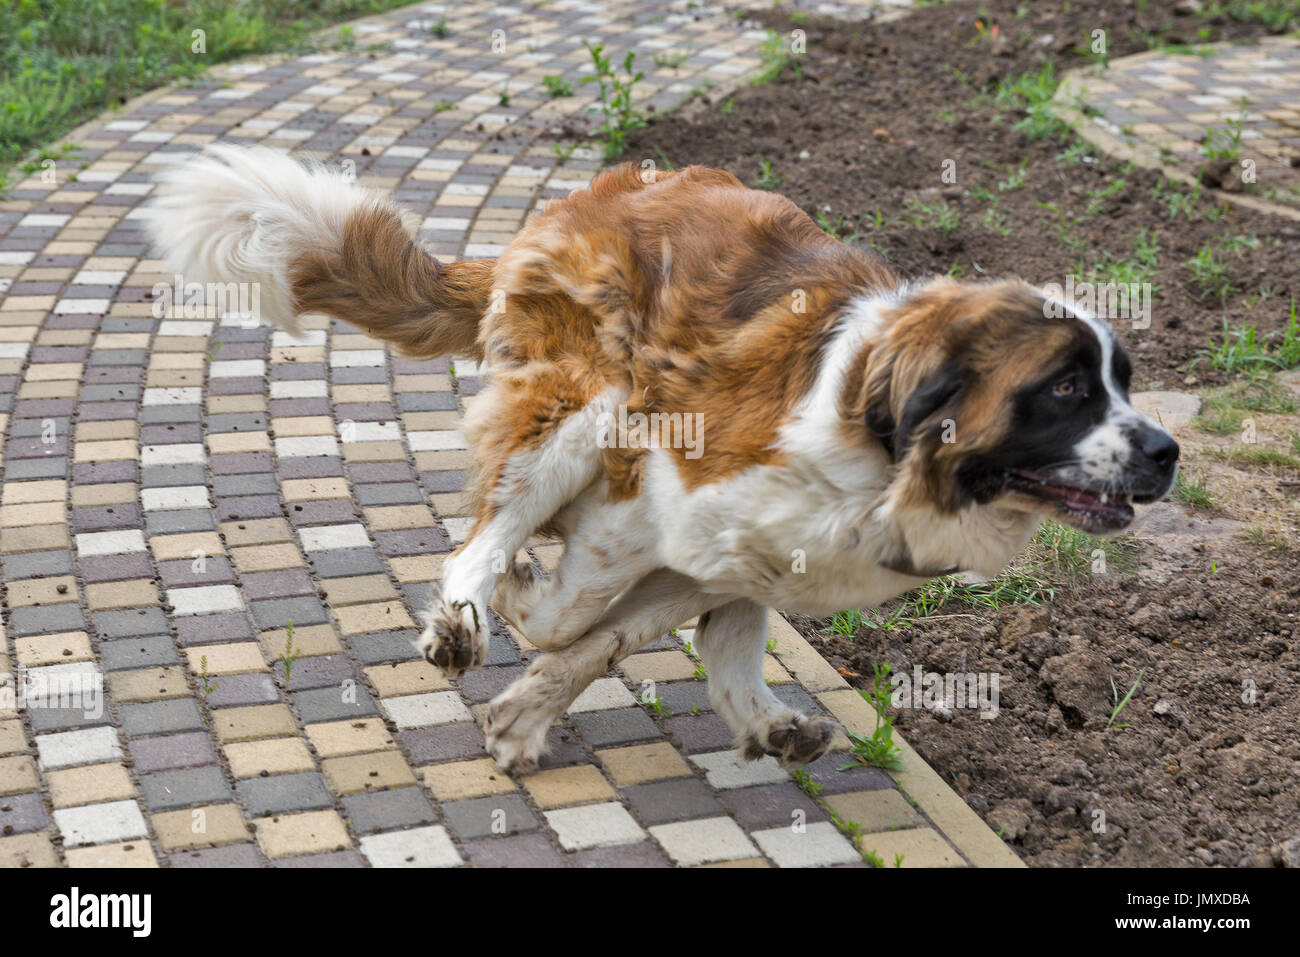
point(731, 640)
point(520, 716)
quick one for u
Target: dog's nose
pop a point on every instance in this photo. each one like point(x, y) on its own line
point(1159, 446)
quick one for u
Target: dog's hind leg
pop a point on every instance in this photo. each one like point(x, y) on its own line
point(608, 547)
point(731, 640)
point(520, 716)
point(530, 482)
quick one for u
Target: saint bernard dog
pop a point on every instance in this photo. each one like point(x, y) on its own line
point(854, 434)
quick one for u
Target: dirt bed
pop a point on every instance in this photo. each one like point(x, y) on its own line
point(1206, 773)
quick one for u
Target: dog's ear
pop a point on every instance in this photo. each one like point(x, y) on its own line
point(898, 431)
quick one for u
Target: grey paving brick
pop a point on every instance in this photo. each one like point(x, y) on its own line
point(615, 726)
point(164, 790)
point(386, 810)
point(500, 814)
point(129, 622)
point(149, 651)
point(280, 793)
point(22, 813)
point(160, 717)
point(161, 752)
point(519, 850)
point(245, 689)
point(332, 704)
point(675, 800)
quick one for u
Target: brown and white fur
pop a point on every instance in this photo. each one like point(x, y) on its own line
point(860, 434)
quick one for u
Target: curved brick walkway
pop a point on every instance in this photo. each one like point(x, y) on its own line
point(176, 490)
point(1156, 108)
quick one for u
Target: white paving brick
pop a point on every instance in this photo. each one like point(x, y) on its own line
point(594, 825)
point(302, 446)
point(173, 396)
point(726, 770)
point(300, 389)
point(423, 710)
point(183, 453)
point(100, 823)
point(204, 600)
point(325, 537)
point(815, 845)
point(173, 497)
point(63, 749)
point(121, 542)
point(601, 694)
point(701, 842)
point(418, 847)
point(439, 441)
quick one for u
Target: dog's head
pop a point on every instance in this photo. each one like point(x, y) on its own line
point(994, 394)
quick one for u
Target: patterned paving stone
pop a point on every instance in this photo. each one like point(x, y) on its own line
point(212, 487)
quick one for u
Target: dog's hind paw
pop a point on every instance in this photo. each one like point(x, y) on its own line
point(516, 732)
point(794, 741)
point(455, 636)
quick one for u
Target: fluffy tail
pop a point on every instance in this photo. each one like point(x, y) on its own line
point(314, 242)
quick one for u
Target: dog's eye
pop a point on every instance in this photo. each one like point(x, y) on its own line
point(1067, 387)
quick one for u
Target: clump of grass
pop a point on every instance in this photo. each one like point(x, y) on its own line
point(557, 86)
point(1224, 409)
point(877, 750)
point(1246, 349)
point(768, 178)
point(1210, 274)
point(775, 59)
point(1257, 455)
point(1191, 490)
point(941, 215)
point(621, 117)
point(1032, 92)
point(1068, 555)
point(1120, 705)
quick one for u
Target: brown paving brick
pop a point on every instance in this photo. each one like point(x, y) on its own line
point(367, 772)
point(201, 826)
point(880, 810)
point(94, 784)
point(249, 759)
point(418, 568)
point(459, 780)
point(643, 762)
point(658, 666)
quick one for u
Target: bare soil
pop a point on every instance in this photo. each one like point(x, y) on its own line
point(1207, 771)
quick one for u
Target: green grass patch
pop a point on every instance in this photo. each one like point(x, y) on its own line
point(1224, 409)
point(1191, 490)
point(1245, 349)
point(63, 61)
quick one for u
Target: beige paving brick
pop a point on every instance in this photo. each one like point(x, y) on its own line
point(229, 659)
point(135, 853)
point(250, 759)
point(18, 774)
point(261, 531)
point(36, 538)
point(254, 721)
point(407, 677)
point(379, 616)
point(352, 591)
point(200, 827)
point(458, 780)
point(308, 490)
point(121, 594)
point(643, 762)
point(42, 591)
point(417, 568)
point(27, 850)
point(228, 443)
point(25, 493)
point(880, 810)
point(563, 787)
point(371, 771)
point(292, 834)
point(148, 684)
point(266, 558)
point(106, 493)
point(92, 784)
point(658, 666)
point(53, 649)
point(169, 547)
point(13, 740)
point(919, 847)
point(334, 738)
point(309, 639)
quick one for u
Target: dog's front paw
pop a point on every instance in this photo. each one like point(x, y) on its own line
point(516, 730)
point(455, 636)
point(794, 741)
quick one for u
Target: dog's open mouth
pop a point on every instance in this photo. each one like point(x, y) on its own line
point(1082, 508)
